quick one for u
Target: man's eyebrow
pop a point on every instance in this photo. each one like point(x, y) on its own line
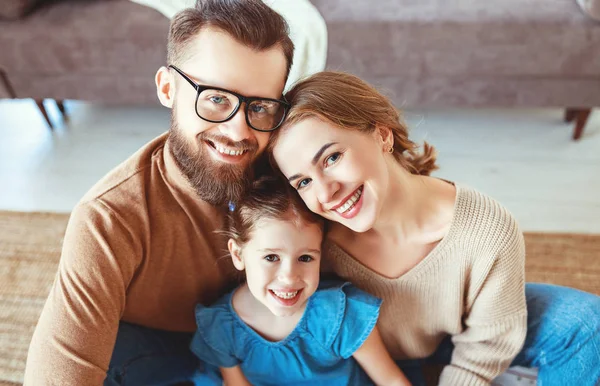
point(318, 155)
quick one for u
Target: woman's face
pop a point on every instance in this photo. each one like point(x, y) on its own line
point(341, 174)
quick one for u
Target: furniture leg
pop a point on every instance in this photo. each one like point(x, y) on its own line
point(61, 108)
point(40, 105)
point(580, 121)
point(570, 114)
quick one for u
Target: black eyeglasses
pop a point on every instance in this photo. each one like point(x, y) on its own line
point(214, 104)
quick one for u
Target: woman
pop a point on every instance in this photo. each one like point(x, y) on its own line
point(447, 260)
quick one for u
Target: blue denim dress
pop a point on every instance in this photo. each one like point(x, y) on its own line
point(337, 320)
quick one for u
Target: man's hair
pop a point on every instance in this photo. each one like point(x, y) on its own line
point(250, 22)
point(270, 197)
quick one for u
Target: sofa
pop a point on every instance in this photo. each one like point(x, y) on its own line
point(427, 53)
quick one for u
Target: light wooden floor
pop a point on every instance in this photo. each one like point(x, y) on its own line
point(523, 158)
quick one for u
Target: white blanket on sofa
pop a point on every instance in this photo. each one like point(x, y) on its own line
point(307, 30)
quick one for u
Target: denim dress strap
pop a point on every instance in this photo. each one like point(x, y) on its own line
point(213, 340)
point(342, 317)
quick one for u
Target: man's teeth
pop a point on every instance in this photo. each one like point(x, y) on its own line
point(351, 202)
point(285, 295)
point(227, 151)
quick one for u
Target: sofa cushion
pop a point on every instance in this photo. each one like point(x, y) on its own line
point(106, 37)
point(95, 50)
point(421, 38)
point(431, 53)
point(14, 9)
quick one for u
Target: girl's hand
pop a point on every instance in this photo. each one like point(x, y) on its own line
point(374, 358)
point(233, 376)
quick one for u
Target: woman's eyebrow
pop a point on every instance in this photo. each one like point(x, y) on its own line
point(321, 151)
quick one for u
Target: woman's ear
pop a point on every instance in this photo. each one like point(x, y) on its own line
point(385, 137)
point(236, 254)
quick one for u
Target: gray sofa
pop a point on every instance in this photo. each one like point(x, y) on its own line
point(428, 53)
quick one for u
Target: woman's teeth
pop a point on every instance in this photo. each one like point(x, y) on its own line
point(285, 295)
point(351, 201)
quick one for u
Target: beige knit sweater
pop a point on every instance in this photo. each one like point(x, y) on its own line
point(471, 286)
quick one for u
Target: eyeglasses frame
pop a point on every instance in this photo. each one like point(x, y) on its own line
point(241, 98)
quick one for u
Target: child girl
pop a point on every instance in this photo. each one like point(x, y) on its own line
point(281, 327)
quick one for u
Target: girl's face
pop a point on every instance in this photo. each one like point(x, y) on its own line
point(282, 263)
point(341, 174)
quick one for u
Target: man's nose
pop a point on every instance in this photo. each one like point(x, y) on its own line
point(237, 128)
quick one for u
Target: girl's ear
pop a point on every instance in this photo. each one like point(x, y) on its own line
point(236, 254)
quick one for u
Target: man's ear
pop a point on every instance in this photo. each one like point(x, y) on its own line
point(165, 86)
point(236, 254)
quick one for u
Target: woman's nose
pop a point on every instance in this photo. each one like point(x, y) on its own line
point(326, 192)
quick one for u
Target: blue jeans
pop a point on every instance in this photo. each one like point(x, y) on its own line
point(148, 357)
point(563, 339)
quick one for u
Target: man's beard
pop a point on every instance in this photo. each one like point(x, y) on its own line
point(216, 182)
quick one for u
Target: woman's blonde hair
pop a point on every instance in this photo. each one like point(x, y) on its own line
point(349, 102)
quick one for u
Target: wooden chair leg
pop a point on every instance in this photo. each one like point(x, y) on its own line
point(570, 114)
point(40, 105)
point(61, 108)
point(581, 120)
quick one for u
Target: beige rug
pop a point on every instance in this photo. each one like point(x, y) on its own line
point(30, 250)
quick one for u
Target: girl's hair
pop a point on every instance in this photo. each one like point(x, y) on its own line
point(269, 197)
point(350, 103)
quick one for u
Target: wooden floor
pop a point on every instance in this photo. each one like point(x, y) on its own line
point(522, 157)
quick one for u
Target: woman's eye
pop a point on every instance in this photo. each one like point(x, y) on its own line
point(305, 258)
point(332, 158)
point(303, 183)
point(272, 258)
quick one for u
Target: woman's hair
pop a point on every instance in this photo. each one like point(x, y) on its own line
point(269, 197)
point(350, 103)
point(250, 22)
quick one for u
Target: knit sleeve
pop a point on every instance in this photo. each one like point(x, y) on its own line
point(74, 338)
point(495, 322)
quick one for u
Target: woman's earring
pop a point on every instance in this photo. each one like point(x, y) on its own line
point(390, 150)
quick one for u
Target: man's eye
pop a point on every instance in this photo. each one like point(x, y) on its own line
point(332, 158)
point(303, 183)
point(305, 258)
point(258, 109)
point(218, 99)
point(272, 258)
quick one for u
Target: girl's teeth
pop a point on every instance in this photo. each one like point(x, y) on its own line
point(285, 295)
point(350, 203)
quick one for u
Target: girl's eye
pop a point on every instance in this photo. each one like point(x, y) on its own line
point(332, 158)
point(305, 258)
point(272, 258)
point(303, 183)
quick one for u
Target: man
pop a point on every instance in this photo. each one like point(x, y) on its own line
point(141, 248)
